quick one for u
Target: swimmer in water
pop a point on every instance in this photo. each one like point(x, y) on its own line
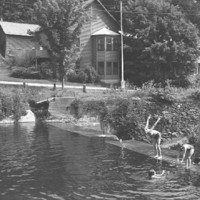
point(188, 152)
point(155, 136)
point(152, 174)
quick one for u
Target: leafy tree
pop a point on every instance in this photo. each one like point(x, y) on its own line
point(16, 10)
point(60, 21)
point(164, 42)
point(190, 8)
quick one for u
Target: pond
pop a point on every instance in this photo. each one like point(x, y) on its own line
point(39, 161)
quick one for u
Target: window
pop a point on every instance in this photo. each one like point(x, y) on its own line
point(108, 44)
point(100, 44)
point(115, 68)
point(115, 44)
point(109, 68)
point(101, 68)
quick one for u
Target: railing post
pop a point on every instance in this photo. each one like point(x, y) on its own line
point(84, 88)
point(54, 86)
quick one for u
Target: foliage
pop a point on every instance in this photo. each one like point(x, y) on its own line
point(195, 95)
point(42, 71)
point(60, 21)
point(85, 75)
point(11, 104)
point(164, 94)
point(25, 73)
point(45, 70)
point(124, 115)
point(92, 76)
point(191, 9)
point(92, 107)
point(125, 118)
point(164, 42)
point(16, 11)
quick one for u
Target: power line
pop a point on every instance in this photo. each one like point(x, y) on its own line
point(147, 13)
point(16, 3)
point(188, 12)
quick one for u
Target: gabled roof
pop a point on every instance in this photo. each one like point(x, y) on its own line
point(105, 31)
point(89, 2)
point(20, 29)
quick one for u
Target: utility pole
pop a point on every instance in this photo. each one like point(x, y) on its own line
point(122, 49)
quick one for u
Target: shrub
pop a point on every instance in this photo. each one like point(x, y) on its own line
point(126, 118)
point(195, 95)
point(86, 75)
point(164, 94)
point(42, 71)
point(12, 104)
point(25, 73)
point(19, 106)
point(92, 76)
point(82, 77)
point(91, 107)
point(72, 76)
point(45, 70)
point(123, 115)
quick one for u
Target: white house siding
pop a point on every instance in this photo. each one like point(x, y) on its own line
point(98, 19)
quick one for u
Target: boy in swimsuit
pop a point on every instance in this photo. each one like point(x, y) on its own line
point(188, 152)
point(152, 174)
point(155, 136)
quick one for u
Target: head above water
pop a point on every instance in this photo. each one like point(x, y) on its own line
point(151, 173)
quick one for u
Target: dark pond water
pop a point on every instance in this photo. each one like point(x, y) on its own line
point(43, 162)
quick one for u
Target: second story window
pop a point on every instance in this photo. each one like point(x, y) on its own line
point(115, 44)
point(100, 44)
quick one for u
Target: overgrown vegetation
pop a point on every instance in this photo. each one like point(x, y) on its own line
point(126, 111)
point(85, 75)
point(41, 71)
point(12, 103)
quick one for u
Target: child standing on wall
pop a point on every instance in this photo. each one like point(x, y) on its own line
point(155, 136)
point(188, 152)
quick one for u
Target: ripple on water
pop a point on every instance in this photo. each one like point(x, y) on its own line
point(47, 163)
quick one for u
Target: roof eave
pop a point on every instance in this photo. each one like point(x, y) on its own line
point(91, 1)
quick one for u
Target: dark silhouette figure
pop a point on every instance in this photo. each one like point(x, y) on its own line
point(40, 105)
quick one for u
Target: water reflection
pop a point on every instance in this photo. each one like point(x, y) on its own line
point(38, 161)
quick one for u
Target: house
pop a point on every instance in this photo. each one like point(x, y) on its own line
point(17, 43)
point(100, 42)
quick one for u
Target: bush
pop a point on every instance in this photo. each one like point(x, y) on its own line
point(42, 71)
point(92, 76)
point(82, 77)
point(72, 76)
point(195, 95)
point(126, 117)
point(45, 70)
point(25, 73)
point(91, 107)
point(11, 104)
point(123, 115)
point(86, 75)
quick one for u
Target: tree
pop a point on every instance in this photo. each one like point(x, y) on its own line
point(164, 42)
point(16, 10)
point(60, 21)
point(190, 8)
